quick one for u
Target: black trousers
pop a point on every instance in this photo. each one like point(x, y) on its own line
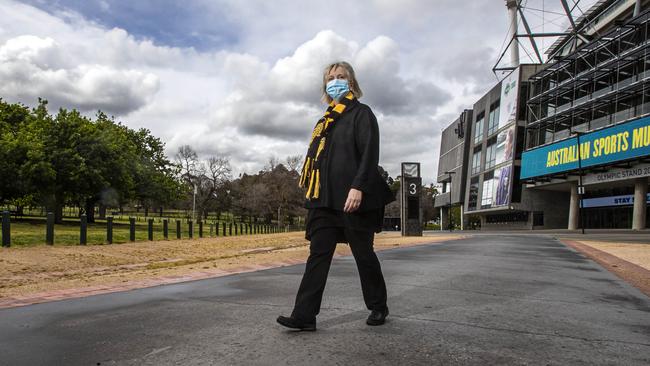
point(321, 251)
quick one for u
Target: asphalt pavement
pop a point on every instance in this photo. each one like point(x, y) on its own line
point(510, 299)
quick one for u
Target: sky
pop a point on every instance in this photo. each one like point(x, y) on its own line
point(241, 78)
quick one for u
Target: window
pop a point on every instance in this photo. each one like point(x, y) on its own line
point(478, 128)
point(476, 162)
point(493, 118)
point(490, 155)
point(473, 194)
point(486, 196)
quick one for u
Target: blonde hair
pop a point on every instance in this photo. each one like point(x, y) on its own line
point(352, 80)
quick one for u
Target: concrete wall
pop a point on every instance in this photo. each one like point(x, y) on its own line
point(453, 157)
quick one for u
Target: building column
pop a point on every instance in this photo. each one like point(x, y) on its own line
point(444, 218)
point(640, 193)
point(574, 208)
point(462, 217)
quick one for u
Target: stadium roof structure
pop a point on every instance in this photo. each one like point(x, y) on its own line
point(582, 29)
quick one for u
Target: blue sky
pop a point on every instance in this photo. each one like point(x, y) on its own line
point(166, 22)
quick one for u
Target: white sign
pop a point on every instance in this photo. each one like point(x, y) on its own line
point(611, 175)
point(509, 92)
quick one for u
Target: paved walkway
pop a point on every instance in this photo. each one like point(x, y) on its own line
point(487, 299)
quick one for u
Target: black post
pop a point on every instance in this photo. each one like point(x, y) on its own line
point(132, 228)
point(230, 229)
point(200, 229)
point(224, 228)
point(6, 229)
point(236, 230)
point(190, 228)
point(166, 229)
point(150, 229)
point(83, 234)
point(178, 229)
point(49, 230)
point(109, 230)
point(241, 228)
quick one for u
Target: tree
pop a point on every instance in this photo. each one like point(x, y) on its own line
point(69, 159)
point(14, 152)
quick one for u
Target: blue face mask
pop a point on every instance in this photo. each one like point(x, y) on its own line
point(337, 88)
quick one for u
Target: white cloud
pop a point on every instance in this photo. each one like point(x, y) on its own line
point(33, 67)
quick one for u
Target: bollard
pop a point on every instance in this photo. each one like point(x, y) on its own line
point(83, 230)
point(49, 230)
point(236, 230)
point(109, 230)
point(230, 229)
point(150, 229)
point(6, 229)
point(241, 229)
point(224, 228)
point(178, 229)
point(165, 229)
point(131, 228)
point(200, 229)
point(190, 228)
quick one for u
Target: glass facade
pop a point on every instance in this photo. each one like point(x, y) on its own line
point(493, 119)
point(478, 128)
point(476, 162)
point(473, 194)
point(491, 155)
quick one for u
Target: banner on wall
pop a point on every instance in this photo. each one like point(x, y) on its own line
point(502, 178)
point(505, 144)
point(624, 200)
point(509, 94)
point(620, 142)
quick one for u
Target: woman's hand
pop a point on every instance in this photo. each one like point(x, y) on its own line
point(354, 200)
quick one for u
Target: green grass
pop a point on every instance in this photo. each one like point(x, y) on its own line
point(31, 231)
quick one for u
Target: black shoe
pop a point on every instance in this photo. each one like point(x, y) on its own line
point(377, 317)
point(294, 323)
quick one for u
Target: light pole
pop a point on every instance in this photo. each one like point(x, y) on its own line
point(194, 203)
point(581, 188)
point(450, 215)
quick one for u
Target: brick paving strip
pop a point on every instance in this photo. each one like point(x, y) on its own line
point(78, 292)
point(634, 274)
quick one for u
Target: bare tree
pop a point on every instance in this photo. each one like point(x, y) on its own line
point(188, 162)
point(294, 162)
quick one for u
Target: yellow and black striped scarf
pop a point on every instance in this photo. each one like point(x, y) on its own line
point(310, 176)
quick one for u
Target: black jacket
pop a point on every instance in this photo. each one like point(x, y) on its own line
point(351, 161)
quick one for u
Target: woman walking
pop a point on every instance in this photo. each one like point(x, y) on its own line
point(345, 198)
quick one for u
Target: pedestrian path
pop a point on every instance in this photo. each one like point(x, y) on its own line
point(487, 299)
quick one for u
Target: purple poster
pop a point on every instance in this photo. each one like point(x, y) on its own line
point(502, 187)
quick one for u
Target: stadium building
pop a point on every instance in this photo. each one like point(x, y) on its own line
point(567, 141)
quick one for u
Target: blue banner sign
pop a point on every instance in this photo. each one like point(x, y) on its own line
point(625, 200)
point(625, 141)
